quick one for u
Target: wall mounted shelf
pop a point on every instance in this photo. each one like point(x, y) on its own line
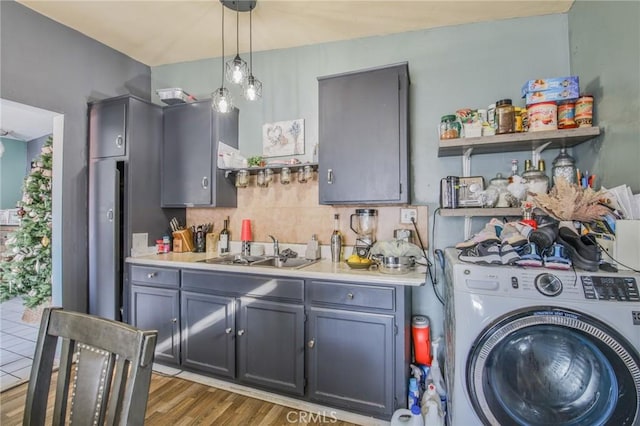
point(477, 211)
point(276, 169)
point(517, 141)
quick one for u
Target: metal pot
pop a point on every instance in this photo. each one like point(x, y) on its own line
point(395, 264)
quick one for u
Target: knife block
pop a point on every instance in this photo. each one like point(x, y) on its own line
point(186, 239)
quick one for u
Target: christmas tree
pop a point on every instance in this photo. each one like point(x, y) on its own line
point(26, 271)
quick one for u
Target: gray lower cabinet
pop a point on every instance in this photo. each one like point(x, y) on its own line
point(155, 308)
point(271, 345)
point(363, 131)
point(155, 305)
point(335, 343)
point(248, 328)
point(358, 347)
point(208, 333)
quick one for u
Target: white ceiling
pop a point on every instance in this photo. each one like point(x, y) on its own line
point(169, 31)
point(23, 122)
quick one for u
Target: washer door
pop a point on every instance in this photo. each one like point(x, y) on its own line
point(553, 366)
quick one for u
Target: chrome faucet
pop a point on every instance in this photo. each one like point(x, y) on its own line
point(276, 246)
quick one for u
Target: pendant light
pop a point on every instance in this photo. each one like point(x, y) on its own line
point(221, 98)
point(252, 86)
point(237, 68)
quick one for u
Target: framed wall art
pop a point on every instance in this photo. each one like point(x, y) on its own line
point(283, 138)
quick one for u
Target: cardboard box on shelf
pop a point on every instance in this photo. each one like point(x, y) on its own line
point(544, 84)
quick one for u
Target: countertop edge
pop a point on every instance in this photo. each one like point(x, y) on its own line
point(323, 269)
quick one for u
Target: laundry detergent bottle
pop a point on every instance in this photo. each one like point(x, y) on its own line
point(421, 339)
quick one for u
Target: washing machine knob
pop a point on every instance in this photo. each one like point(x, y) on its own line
point(548, 284)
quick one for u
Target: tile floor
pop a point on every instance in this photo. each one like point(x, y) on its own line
point(17, 344)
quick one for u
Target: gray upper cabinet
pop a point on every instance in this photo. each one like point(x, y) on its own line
point(190, 176)
point(363, 137)
point(108, 130)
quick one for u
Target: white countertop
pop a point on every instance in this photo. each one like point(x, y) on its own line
point(323, 269)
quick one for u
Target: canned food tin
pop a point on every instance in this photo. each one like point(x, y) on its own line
point(584, 111)
point(543, 116)
point(566, 115)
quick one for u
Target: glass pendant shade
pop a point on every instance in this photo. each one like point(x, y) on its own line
point(252, 88)
point(222, 100)
point(236, 70)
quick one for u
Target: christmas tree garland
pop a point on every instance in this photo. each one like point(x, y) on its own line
point(26, 271)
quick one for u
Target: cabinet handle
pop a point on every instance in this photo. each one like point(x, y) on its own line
point(151, 274)
point(119, 141)
point(240, 332)
point(350, 295)
point(205, 182)
point(311, 343)
point(174, 320)
point(110, 215)
point(330, 176)
point(228, 330)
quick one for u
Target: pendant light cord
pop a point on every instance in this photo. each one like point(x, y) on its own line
point(237, 30)
point(222, 86)
point(250, 42)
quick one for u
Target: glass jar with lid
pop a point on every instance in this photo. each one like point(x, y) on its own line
point(505, 117)
point(498, 186)
point(449, 127)
point(537, 183)
point(565, 166)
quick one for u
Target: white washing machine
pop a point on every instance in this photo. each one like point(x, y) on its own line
point(535, 346)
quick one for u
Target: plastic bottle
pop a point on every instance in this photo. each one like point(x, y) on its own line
point(435, 376)
point(421, 339)
point(432, 410)
point(430, 395)
point(406, 417)
point(413, 398)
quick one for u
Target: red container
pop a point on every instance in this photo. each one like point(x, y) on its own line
point(245, 233)
point(421, 334)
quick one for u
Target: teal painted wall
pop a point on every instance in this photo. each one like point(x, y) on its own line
point(12, 172)
point(605, 53)
point(450, 68)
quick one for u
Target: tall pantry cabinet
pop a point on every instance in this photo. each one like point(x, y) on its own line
point(125, 138)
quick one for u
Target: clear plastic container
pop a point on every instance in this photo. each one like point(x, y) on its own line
point(449, 127)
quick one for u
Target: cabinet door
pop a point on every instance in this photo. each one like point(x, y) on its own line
point(208, 333)
point(363, 149)
point(105, 276)
point(271, 345)
point(190, 176)
point(107, 129)
point(158, 309)
point(351, 360)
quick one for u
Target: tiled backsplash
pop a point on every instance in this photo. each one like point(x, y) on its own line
point(292, 214)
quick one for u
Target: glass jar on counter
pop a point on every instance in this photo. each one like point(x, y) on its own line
point(499, 185)
point(449, 127)
point(505, 117)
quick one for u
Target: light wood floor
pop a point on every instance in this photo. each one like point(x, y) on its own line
point(175, 401)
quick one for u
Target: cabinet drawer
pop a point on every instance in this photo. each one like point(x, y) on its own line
point(348, 294)
point(243, 285)
point(164, 277)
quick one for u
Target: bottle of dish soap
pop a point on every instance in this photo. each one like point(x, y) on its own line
point(313, 249)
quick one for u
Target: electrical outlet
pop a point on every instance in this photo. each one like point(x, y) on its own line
point(407, 214)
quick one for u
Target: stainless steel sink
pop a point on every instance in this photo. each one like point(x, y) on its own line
point(291, 263)
point(235, 259)
point(265, 261)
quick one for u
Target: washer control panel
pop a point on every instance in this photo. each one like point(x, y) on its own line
point(621, 289)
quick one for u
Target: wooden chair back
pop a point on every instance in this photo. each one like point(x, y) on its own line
point(104, 373)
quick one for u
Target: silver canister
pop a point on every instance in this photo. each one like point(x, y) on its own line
point(336, 247)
